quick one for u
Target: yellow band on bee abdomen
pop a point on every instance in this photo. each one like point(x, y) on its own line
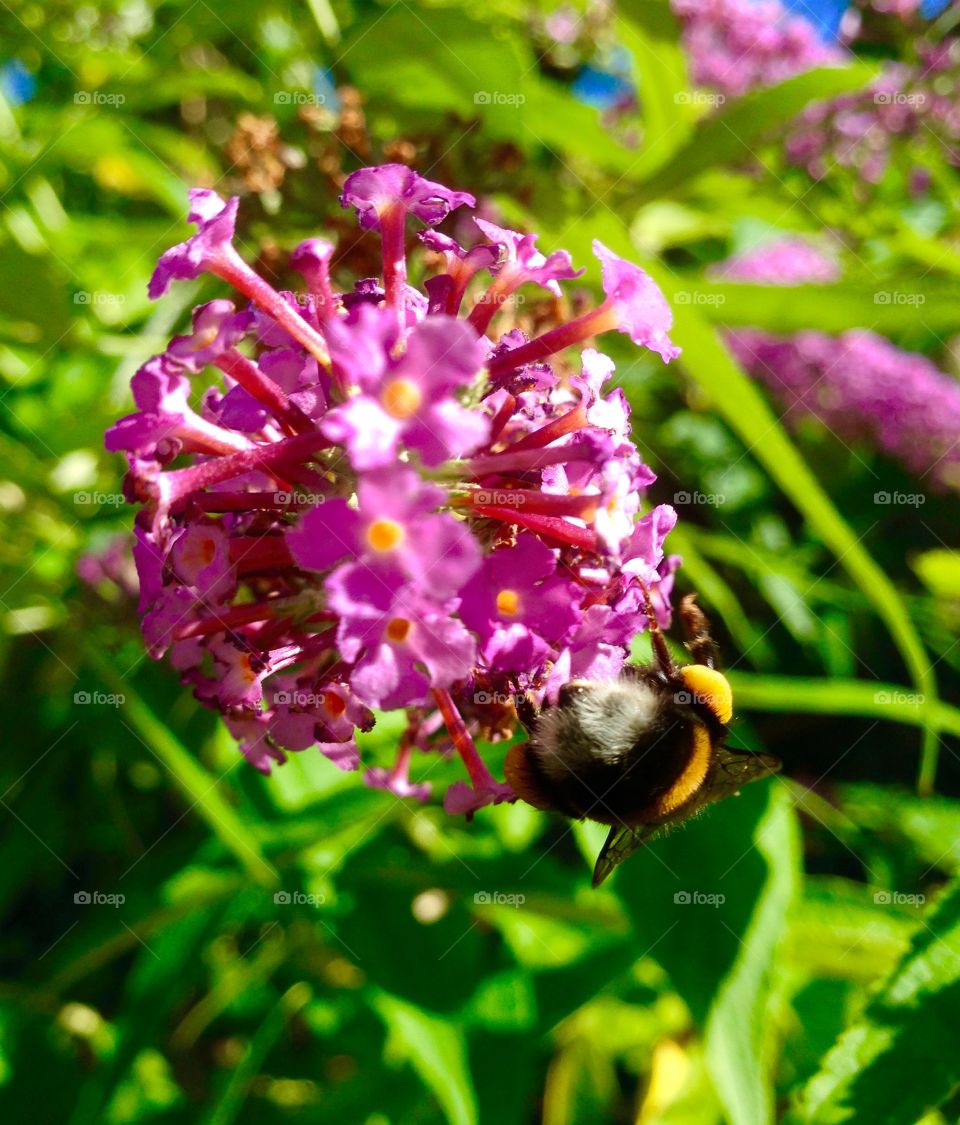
point(693, 776)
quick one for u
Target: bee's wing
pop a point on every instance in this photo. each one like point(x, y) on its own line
point(620, 844)
point(736, 767)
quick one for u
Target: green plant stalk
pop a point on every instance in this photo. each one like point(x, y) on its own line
point(841, 697)
point(234, 1094)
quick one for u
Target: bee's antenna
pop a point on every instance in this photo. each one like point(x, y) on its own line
point(660, 650)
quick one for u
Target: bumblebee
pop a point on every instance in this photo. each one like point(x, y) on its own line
point(640, 753)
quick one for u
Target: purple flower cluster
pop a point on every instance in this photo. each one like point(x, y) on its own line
point(734, 46)
point(383, 502)
point(863, 131)
point(784, 261)
point(859, 385)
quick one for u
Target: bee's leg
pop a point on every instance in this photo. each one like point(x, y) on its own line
point(699, 643)
point(528, 710)
point(660, 650)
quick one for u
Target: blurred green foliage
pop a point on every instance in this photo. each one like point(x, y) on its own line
point(304, 949)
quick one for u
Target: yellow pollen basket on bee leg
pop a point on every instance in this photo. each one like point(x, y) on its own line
point(710, 687)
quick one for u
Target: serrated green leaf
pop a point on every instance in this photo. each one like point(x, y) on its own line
point(902, 1058)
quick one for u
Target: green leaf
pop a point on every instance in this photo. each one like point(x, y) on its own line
point(661, 75)
point(888, 305)
point(720, 597)
point(736, 1031)
point(939, 571)
point(732, 134)
point(581, 1085)
point(435, 1048)
point(902, 1057)
point(451, 63)
point(694, 895)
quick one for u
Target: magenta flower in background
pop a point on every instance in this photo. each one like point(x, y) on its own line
point(906, 107)
point(858, 384)
point(734, 46)
point(389, 499)
point(785, 261)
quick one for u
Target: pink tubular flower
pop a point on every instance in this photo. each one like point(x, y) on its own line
point(383, 502)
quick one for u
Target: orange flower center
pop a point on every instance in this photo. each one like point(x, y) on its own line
point(398, 630)
point(508, 603)
point(385, 535)
point(333, 704)
point(401, 398)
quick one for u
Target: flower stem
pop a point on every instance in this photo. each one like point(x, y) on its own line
point(245, 372)
point(235, 271)
point(583, 506)
point(178, 483)
point(480, 775)
point(593, 323)
point(553, 527)
point(511, 462)
point(567, 423)
point(392, 229)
